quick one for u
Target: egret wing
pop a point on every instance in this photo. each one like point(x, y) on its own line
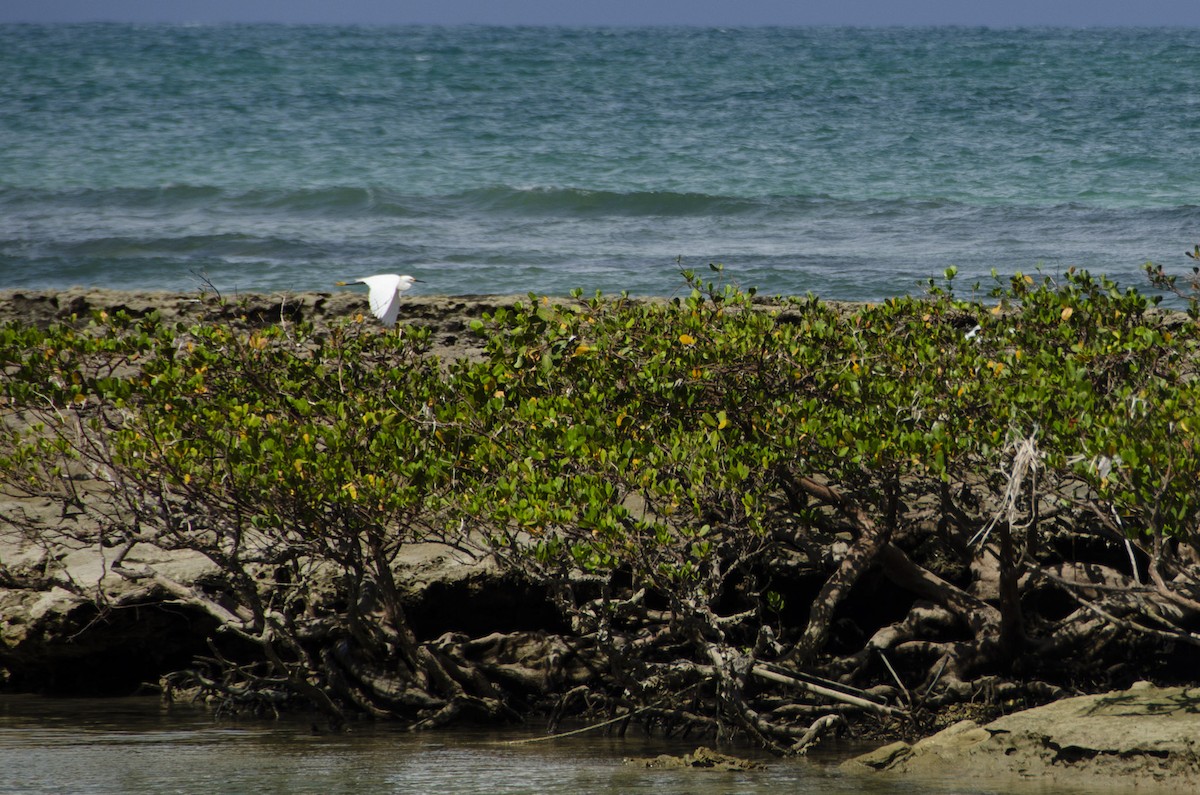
point(384, 297)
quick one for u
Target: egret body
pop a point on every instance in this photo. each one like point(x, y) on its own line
point(384, 297)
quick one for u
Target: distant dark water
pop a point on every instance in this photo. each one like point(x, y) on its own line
point(854, 163)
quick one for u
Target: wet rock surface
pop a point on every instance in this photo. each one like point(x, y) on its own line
point(701, 759)
point(447, 317)
point(1145, 736)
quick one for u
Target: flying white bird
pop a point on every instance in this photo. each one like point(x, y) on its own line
point(384, 298)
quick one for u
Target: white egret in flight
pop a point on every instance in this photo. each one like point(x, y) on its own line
point(384, 298)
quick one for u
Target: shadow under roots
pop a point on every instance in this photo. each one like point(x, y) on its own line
point(482, 605)
point(115, 652)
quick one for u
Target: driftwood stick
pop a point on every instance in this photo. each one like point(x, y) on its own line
point(762, 672)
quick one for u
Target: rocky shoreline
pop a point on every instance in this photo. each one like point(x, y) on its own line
point(1145, 735)
point(68, 624)
point(103, 633)
point(446, 316)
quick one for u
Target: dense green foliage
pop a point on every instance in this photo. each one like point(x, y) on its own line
point(647, 461)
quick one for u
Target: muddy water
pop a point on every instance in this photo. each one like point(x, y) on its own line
point(135, 746)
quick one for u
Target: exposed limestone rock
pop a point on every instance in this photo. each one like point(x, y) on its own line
point(701, 759)
point(1146, 736)
point(68, 623)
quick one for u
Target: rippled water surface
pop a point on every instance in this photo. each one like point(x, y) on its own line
point(135, 746)
point(853, 163)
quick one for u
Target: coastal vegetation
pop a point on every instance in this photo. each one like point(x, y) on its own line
point(773, 518)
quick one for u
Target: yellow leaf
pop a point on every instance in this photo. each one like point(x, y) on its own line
point(582, 349)
point(1066, 313)
point(687, 339)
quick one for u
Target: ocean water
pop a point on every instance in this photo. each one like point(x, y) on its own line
point(852, 163)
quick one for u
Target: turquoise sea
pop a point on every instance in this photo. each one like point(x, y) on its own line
point(853, 163)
